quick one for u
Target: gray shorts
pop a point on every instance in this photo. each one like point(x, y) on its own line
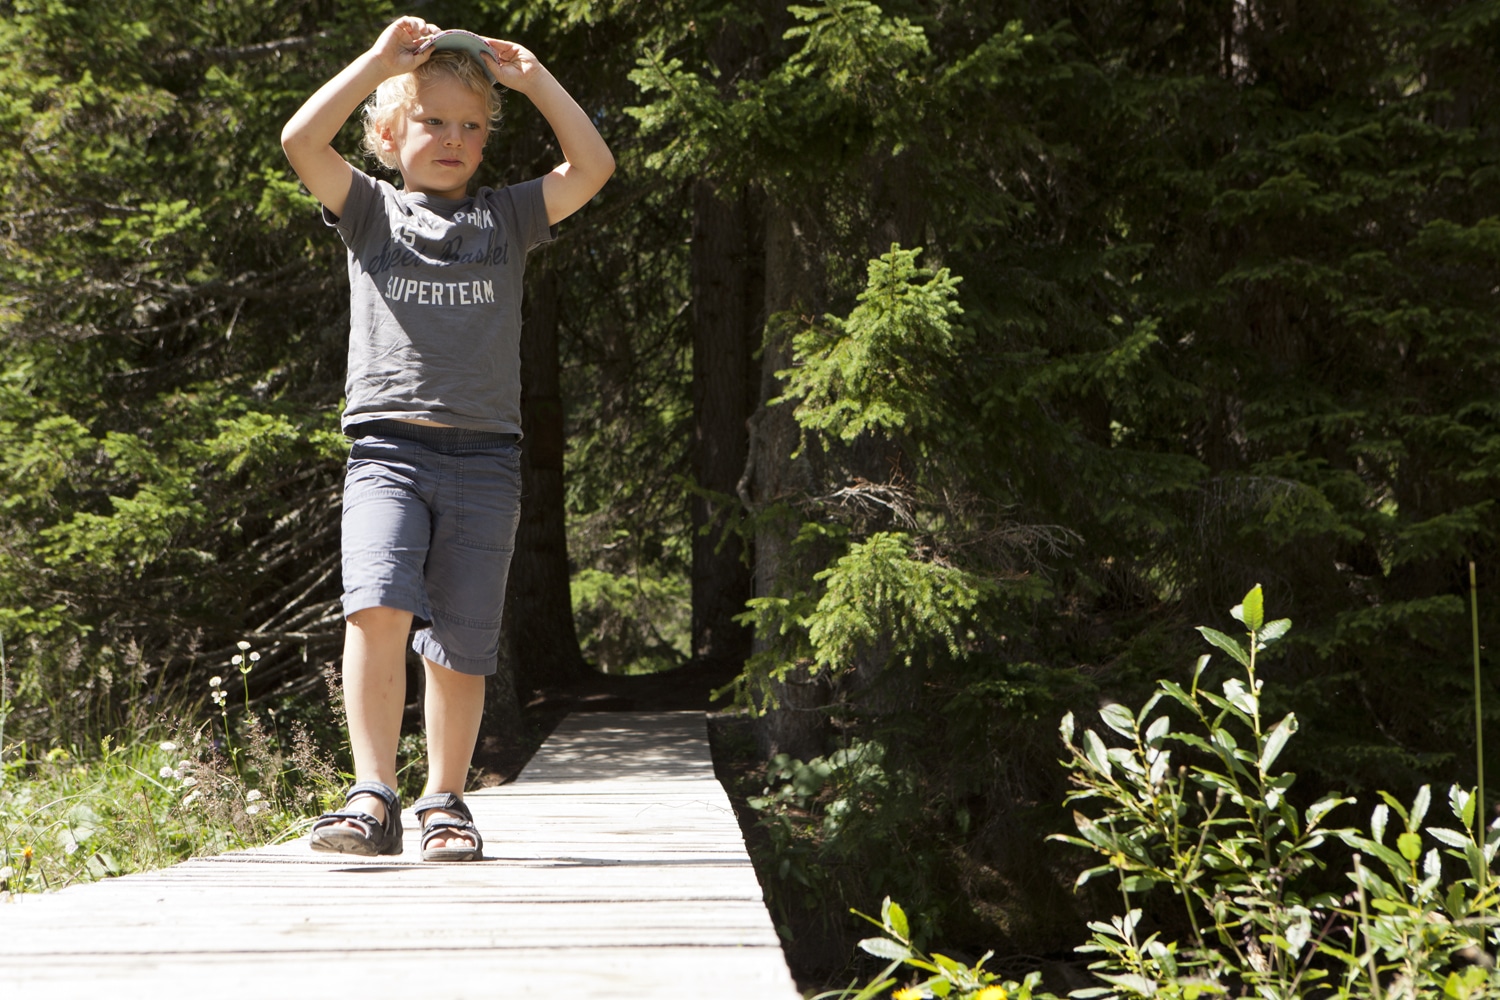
point(430, 519)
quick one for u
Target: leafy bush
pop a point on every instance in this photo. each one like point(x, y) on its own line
point(1193, 803)
point(1221, 830)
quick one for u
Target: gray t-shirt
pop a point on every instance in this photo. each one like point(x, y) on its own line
point(435, 302)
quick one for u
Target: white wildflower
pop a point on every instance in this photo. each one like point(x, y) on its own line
point(167, 745)
point(166, 772)
point(191, 797)
point(189, 782)
point(253, 795)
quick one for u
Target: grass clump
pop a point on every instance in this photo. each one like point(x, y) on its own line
point(167, 792)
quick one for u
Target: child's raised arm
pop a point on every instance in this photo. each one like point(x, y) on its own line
point(587, 161)
point(308, 137)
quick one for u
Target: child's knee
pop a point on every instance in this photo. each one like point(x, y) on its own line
point(379, 619)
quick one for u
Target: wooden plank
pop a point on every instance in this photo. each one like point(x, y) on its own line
point(613, 868)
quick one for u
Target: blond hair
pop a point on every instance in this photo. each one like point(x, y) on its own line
point(395, 96)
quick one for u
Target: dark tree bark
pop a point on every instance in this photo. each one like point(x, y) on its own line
point(798, 723)
point(728, 296)
point(540, 639)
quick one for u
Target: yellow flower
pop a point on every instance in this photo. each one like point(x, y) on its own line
point(991, 993)
point(910, 993)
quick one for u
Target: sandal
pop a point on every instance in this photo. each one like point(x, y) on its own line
point(438, 827)
point(356, 832)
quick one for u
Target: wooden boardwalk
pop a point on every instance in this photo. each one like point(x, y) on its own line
point(613, 868)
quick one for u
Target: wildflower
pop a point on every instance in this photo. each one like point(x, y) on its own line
point(253, 795)
point(189, 782)
point(167, 745)
point(191, 797)
point(165, 771)
point(215, 681)
point(251, 810)
point(26, 854)
point(991, 993)
point(910, 993)
point(243, 645)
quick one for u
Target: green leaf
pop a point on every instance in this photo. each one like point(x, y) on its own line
point(1225, 643)
point(947, 964)
point(1276, 742)
point(1132, 983)
point(885, 948)
point(1096, 753)
point(1323, 807)
point(1119, 718)
point(1272, 631)
point(1461, 802)
point(1176, 691)
point(1241, 697)
point(1252, 610)
point(1419, 806)
point(894, 919)
point(1450, 837)
point(1410, 846)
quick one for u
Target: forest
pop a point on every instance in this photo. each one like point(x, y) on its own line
point(927, 374)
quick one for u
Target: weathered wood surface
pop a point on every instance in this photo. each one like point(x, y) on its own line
point(613, 868)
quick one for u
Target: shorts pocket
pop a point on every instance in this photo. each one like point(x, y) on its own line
point(489, 506)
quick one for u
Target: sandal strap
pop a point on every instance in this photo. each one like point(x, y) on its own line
point(370, 823)
point(449, 827)
point(380, 790)
point(444, 801)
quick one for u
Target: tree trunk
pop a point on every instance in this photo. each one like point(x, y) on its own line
point(539, 633)
point(728, 300)
point(798, 724)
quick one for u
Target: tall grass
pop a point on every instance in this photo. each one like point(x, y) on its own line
point(155, 792)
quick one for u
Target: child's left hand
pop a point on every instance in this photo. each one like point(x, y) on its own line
point(515, 67)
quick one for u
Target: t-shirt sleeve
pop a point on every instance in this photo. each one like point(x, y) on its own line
point(361, 204)
point(530, 210)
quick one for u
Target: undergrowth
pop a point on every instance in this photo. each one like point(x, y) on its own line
point(169, 790)
point(1277, 894)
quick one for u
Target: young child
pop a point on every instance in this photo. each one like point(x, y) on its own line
point(432, 489)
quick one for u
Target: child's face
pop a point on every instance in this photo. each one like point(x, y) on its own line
point(440, 140)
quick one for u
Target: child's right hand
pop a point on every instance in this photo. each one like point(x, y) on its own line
point(396, 48)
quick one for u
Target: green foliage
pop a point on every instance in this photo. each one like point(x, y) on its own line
point(631, 624)
point(89, 813)
point(1205, 812)
point(946, 977)
point(879, 592)
point(880, 369)
point(843, 828)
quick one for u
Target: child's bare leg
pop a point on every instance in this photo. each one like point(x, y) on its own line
point(374, 696)
point(454, 708)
